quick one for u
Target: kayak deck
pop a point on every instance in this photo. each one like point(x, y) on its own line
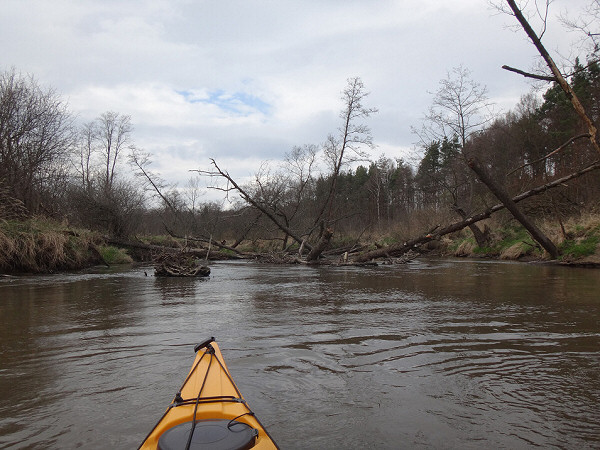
point(210, 403)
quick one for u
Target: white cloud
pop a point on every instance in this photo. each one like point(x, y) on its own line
point(245, 81)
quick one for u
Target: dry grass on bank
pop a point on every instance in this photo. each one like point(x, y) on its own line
point(466, 248)
point(518, 250)
point(38, 245)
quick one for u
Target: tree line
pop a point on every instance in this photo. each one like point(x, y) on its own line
point(94, 176)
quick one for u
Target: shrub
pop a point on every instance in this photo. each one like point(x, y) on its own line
point(114, 255)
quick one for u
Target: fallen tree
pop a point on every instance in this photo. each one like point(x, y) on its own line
point(338, 151)
point(218, 172)
point(400, 248)
point(207, 240)
point(509, 204)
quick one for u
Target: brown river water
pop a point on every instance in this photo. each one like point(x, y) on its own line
point(433, 354)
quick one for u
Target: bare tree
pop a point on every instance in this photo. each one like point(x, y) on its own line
point(36, 138)
point(459, 109)
point(379, 186)
point(348, 146)
point(193, 193)
point(298, 167)
point(84, 154)
point(113, 133)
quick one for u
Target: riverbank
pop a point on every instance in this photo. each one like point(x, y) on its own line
point(577, 240)
point(39, 245)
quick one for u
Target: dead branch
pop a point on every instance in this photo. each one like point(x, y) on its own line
point(401, 248)
point(208, 240)
point(248, 198)
point(529, 75)
point(182, 264)
point(566, 87)
point(140, 160)
point(562, 147)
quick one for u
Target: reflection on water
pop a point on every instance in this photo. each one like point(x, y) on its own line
point(434, 354)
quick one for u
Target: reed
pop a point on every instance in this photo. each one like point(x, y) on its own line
point(40, 245)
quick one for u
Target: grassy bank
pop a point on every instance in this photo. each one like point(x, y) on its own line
point(577, 241)
point(43, 246)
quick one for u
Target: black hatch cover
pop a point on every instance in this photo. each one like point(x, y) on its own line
point(215, 434)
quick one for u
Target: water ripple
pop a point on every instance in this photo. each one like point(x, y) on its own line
point(434, 354)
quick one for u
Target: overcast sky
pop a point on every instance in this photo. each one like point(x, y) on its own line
point(244, 81)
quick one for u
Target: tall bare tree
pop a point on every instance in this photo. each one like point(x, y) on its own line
point(349, 144)
point(113, 134)
point(84, 155)
point(36, 137)
point(460, 109)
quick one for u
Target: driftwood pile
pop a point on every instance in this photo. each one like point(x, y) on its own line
point(182, 264)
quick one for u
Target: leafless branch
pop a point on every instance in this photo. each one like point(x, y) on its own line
point(250, 200)
point(565, 86)
point(543, 158)
point(529, 75)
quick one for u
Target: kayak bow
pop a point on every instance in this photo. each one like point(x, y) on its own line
point(209, 411)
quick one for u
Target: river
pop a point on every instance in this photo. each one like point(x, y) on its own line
point(432, 354)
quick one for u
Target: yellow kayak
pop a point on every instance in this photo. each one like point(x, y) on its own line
point(209, 411)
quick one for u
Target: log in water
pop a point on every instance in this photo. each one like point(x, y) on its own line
point(432, 354)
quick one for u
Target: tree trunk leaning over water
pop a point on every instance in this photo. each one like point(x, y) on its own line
point(400, 248)
point(316, 251)
point(557, 76)
point(503, 196)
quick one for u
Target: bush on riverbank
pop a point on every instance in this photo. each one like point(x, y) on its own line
point(114, 255)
